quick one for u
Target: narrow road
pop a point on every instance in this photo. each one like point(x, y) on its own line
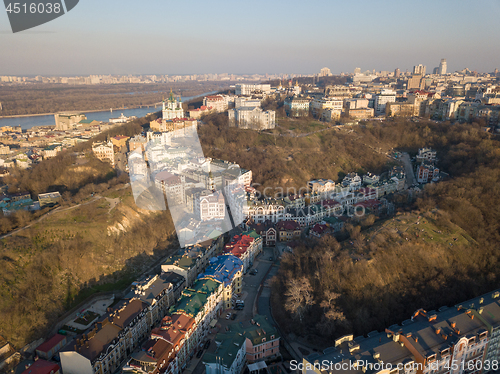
point(410, 177)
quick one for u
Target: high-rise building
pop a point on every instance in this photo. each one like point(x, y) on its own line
point(357, 71)
point(419, 69)
point(325, 72)
point(442, 67)
point(397, 73)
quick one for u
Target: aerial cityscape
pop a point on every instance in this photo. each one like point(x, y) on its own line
point(261, 188)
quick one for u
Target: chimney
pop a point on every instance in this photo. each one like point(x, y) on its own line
point(438, 330)
point(453, 324)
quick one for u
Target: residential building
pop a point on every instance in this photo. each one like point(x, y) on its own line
point(360, 113)
point(199, 112)
point(217, 102)
point(246, 102)
point(104, 152)
point(419, 69)
point(320, 107)
point(41, 366)
point(48, 199)
point(246, 247)
point(228, 270)
point(230, 354)
point(159, 292)
point(427, 173)
point(381, 100)
point(119, 141)
point(210, 205)
point(442, 67)
point(426, 154)
point(68, 121)
point(321, 186)
point(249, 89)
point(452, 340)
point(51, 346)
point(325, 72)
point(252, 118)
point(400, 109)
point(266, 230)
point(297, 106)
point(138, 141)
point(193, 260)
point(104, 347)
point(172, 185)
point(352, 181)
point(288, 230)
point(259, 211)
point(51, 151)
point(370, 178)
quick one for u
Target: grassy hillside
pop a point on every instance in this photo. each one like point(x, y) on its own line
point(57, 262)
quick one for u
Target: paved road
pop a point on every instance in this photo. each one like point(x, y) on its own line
point(410, 177)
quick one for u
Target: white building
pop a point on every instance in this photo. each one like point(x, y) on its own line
point(104, 152)
point(426, 154)
point(210, 205)
point(246, 102)
point(385, 96)
point(327, 107)
point(297, 106)
point(172, 108)
point(217, 103)
point(248, 89)
point(252, 118)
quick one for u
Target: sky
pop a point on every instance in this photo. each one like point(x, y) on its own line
point(261, 36)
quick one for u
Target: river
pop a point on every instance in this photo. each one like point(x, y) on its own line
point(104, 116)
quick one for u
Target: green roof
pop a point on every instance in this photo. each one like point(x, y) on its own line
point(228, 346)
point(194, 299)
point(86, 121)
point(251, 233)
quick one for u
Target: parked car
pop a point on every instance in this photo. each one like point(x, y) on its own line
point(207, 344)
point(270, 258)
point(228, 316)
point(200, 353)
point(233, 317)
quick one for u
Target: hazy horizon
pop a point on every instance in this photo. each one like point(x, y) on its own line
point(292, 37)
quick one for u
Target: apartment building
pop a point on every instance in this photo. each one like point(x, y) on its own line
point(426, 155)
point(253, 118)
point(463, 338)
point(103, 348)
point(210, 205)
point(104, 152)
point(246, 247)
point(217, 103)
point(228, 270)
point(427, 173)
point(159, 292)
point(249, 89)
point(297, 106)
point(288, 230)
point(249, 341)
point(259, 211)
point(327, 108)
point(191, 261)
point(381, 100)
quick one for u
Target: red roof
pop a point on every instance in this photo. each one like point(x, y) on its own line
point(47, 345)
point(239, 245)
point(288, 225)
point(42, 367)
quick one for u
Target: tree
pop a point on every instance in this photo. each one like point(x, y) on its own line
point(299, 296)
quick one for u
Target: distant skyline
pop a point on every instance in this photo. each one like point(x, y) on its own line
point(275, 37)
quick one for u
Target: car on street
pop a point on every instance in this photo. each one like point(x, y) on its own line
point(233, 317)
point(200, 353)
point(207, 344)
point(228, 316)
point(270, 258)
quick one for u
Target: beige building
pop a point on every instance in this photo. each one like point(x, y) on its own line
point(104, 152)
point(68, 121)
point(217, 102)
